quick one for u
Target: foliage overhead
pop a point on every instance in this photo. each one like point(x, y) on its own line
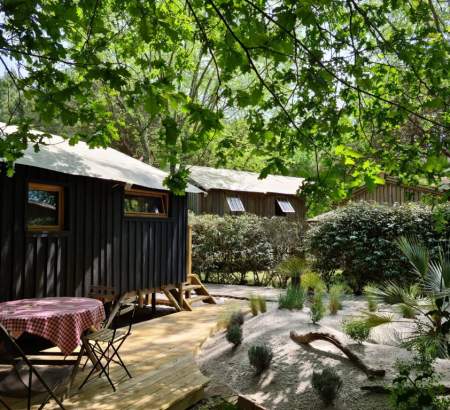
point(345, 82)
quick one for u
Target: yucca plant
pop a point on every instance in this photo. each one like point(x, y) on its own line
point(293, 268)
point(372, 304)
point(429, 300)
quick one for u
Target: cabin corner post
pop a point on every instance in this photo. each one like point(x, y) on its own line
point(189, 251)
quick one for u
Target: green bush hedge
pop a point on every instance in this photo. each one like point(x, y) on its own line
point(357, 239)
point(226, 249)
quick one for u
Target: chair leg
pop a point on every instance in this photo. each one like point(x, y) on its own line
point(51, 394)
point(116, 353)
point(30, 376)
point(98, 362)
point(4, 405)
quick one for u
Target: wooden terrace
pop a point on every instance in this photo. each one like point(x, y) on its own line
point(160, 355)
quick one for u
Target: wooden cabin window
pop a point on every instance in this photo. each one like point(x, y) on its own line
point(284, 207)
point(235, 204)
point(145, 204)
point(45, 207)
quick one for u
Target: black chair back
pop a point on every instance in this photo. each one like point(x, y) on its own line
point(127, 305)
point(10, 351)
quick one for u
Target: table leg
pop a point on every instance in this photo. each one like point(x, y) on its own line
point(91, 355)
point(75, 369)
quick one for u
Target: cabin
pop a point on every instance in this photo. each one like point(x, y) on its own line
point(393, 192)
point(72, 218)
point(230, 192)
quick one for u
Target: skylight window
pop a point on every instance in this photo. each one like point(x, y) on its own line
point(285, 206)
point(235, 204)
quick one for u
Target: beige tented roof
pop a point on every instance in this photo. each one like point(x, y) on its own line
point(214, 178)
point(104, 163)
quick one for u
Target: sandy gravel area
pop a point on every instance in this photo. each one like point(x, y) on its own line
point(286, 384)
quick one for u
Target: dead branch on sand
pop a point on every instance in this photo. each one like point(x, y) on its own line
point(308, 338)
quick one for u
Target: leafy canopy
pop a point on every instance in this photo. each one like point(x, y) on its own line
point(360, 85)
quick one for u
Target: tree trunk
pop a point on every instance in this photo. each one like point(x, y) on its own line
point(307, 338)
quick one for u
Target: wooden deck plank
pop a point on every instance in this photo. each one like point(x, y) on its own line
point(160, 356)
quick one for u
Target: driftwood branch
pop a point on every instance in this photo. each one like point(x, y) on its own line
point(307, 338)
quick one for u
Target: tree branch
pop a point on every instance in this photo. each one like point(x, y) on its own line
point(335, 76)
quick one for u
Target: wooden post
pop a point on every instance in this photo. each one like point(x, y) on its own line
point(189, 251)
point(141, 298)
point(153, 302)
point(180, 294)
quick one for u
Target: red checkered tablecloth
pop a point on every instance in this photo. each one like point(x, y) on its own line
point(62, 320)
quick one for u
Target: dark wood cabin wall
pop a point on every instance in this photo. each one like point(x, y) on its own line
point(391, 193)
point(99, 246)
point(215, 202)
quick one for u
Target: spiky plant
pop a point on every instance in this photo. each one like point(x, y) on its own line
point(293, 268)
point(335, 297)
point(430, 301)
point(372, 304)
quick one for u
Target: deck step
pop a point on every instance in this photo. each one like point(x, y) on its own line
point(200, 298)
point(191, 287)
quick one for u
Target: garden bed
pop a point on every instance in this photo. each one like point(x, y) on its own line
point(286, 384)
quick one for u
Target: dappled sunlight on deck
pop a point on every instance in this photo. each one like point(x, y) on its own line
point(160, 356)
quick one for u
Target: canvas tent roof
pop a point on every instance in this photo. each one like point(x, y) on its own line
point(214, 178)
point(104, 163)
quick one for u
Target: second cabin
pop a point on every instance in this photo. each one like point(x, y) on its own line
point(230, 192)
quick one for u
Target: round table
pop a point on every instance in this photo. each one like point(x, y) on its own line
point(61, 320)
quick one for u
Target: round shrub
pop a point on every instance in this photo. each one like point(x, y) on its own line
point(317, 308)
point(234, 334)
point(357, 329)
point(358, 239)
point(225, 249)
point(327, 383)
point(260, 357)
point(292, 298)
point(236, 318)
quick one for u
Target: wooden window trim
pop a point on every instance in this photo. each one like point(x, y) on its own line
point(140, 192)
point(50, 188)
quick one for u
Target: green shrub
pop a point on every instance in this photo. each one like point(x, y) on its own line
point(317, 309)
point(327, 384)
point(227, 249)
point(292, 298)
point(335, 298)
point(234, 334)
point(372, 304)
point(358, 240)
point(357, 329)
point(236, 318)
point(262, 303)
point(254, 304)
point(293, 268)
point(311, 281)
point(416, 386)
point(412, 293)
point(407, 311)
point(260, 357)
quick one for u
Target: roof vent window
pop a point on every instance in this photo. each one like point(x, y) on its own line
point(285, 206)
point(235, 204)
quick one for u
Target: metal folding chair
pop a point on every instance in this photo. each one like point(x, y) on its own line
point(30, 377)
point(105, 343)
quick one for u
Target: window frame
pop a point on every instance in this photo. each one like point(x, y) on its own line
point(230, 199)
point(37, 186)
point(152, 194)
point(285, 213)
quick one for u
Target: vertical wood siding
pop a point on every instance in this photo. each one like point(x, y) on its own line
point(99, 246)
point(391, 193)
point(259, 204)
